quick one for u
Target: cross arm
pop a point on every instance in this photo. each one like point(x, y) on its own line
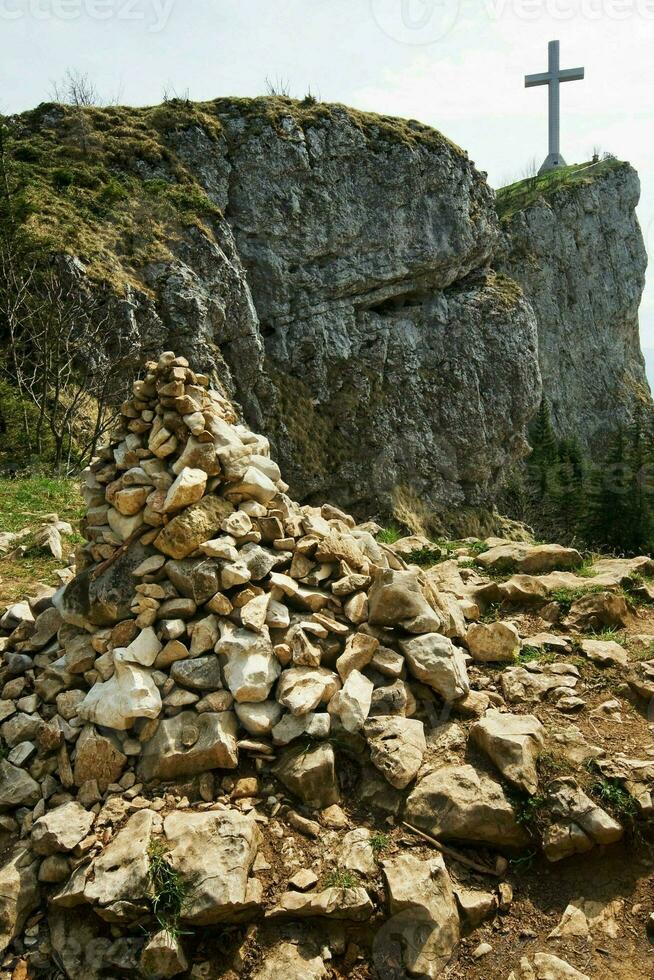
point(571, 74)
point(543, 78)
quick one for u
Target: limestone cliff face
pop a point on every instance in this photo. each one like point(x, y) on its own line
point(346, 289)
point(578, 254)
point(348, 278)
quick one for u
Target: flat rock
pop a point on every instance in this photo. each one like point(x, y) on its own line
point(189, 744)
point(333, 903)
point(214, 852)
point(129, 694)
point(605, 653)
point(513, 743)
point(456, 802)
point(61, 829)
point(298, 960)
point(119, 885)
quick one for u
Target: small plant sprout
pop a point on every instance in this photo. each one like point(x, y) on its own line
point(340, 878)
point(168, 888)
point(379, 843)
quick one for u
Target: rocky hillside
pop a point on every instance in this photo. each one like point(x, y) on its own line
point(573, 242)
point(334, 267)
point(249, 739)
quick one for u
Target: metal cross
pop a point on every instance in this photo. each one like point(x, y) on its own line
point(553, 78)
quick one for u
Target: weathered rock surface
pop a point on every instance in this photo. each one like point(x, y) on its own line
point(513, 743)
point(214, 852)
point(19, 892)
point(424, 912)
point(570, 252)
point(458, 803)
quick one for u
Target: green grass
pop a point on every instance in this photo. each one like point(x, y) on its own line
point(24, 502)
point(523, 193)
point(339, 878)
point(566, 597)
point(389, 535)
point(379, 842)
point(529, 811)
point(425, 557)
point(169, 890)
point(612, 795)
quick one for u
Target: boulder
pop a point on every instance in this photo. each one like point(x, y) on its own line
point(19, 892)
point(493, 642)
point(189, 744)
point(310, 774)
point(61, 829)
point(97, 758)
point(396, 599)
point(187, 489)
point(129, 694)
point(251, 666)
point(435, 660)
point(258, 719)
point(598, 610)
point(529, 559)
point(119, 885)
point(513, 743)
point(301, 689)
point(297, 960)
point(424, 913)
point(163, 956)
point(17, 788)
point(455, 802)
point(397, 747)
point(198, 523)
point(352, 702)
point(105, 599)
point(213, 852)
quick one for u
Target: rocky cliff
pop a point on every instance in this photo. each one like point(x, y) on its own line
point(577, 250)
point(334, 268)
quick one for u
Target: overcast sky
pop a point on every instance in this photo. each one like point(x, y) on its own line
point(455, 64)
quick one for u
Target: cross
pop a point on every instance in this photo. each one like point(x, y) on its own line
point(553, 78)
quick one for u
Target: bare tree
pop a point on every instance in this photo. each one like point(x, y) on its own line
point(75, 89)
point(65, 369)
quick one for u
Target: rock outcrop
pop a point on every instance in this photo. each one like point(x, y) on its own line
point(578, 253)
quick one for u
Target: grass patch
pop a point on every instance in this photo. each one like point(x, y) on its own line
point(566, 597)
point(523, 193)
point(615, 798)
point(25, 502)
point(339, 878)
point(389, 535)
point(529, 812)
point(168, 887)
point(380, 843)
point(424, 557)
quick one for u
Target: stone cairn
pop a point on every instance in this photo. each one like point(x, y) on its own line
point(215, 615)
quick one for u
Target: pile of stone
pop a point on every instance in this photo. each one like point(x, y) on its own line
point(212, 615)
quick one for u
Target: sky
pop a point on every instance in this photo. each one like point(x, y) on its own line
point(458, 65)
